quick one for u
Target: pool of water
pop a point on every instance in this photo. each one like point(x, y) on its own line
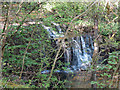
point(80, 79)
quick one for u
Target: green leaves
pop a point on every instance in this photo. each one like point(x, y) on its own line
point(111, 62)
point(94, 82)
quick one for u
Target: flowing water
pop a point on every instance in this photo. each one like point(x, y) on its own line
point(78, 54)
point(82, 53)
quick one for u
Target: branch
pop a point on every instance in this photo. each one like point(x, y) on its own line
point(111, 21)
point(20, 5)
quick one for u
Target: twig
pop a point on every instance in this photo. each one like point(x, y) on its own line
point(64, 39)
point(20, 5)
point(114, 13)
point(60, 55)
point(111, 21)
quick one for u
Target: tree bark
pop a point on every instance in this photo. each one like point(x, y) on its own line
point(96, 48)
point(118, 86)
point(0, 47)
point(119, 22)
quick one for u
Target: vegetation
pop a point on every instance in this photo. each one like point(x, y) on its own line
point(27, 48)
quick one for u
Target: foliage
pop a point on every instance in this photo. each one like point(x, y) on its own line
point(106, 79)
point(64, 12)
point(39, 56)
point(41, 51)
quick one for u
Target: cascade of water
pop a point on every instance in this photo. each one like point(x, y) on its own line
point(87, 41)
point(88, 49)
point(83, 45)
point(57, 26)
point(51, 32)
point(74, 58)
point(82, 49)
point(86, 57)
point(76, 54)
point(67, 55)
point(81, 58)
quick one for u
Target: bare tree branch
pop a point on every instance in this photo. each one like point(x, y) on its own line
point(20, 5)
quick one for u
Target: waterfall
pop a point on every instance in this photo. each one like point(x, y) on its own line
point(67, 55)
point(52, 33)
point(76, 54)
point(57, 26)
point(79, 53)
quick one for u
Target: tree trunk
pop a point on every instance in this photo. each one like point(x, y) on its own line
point(119, 22)
point(0, 46)
point(118, 86)
point(96, 49)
